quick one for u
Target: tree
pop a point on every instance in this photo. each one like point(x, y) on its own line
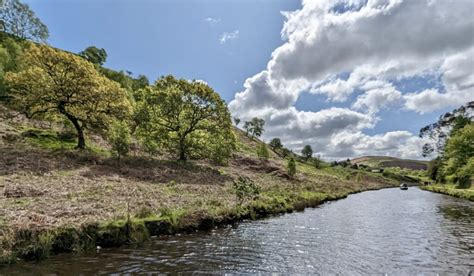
point(458, 154)
point(307, 152)
point(434, 167)
point(236, 121)
point(317, 162)
point(18, 19)
point(140, 82)
point(10, 51)
point(256, 127)
point(94, 55)
point(291, 167)
point(438, 132)
point(262, 151)
point(56, 83)
point(247, 127)
point(186, 118)
point(119, 138)
point(276, 144)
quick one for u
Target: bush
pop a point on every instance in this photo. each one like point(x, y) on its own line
point(262, 152)
point(119, 138)
point(291, 167)
point(245, 188)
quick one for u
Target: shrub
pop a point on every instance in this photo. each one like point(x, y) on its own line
point(291, 167)
point(245, 188)
point(262, 152)
point(119, 138)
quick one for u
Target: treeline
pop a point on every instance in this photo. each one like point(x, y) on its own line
point(455, 160)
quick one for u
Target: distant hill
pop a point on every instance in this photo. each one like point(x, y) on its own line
point(387, 161)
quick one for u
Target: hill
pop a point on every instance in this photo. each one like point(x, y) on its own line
point(55, 199)
point(390, 162)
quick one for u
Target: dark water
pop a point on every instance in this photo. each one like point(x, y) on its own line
point(387, 231)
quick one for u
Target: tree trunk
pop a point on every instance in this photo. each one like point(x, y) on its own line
point(81, 142)
point(182, 155)
point(182, 149)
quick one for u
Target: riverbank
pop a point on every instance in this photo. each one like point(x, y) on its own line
point(34, 244)
point(450, 189)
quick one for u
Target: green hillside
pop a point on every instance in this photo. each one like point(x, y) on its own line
point(390, 162)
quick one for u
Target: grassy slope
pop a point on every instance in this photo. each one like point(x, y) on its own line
point(54, 199)
point(450, 189)
point(387, 161)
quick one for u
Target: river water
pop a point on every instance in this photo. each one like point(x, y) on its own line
point(386, 231)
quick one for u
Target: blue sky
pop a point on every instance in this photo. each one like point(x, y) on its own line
point(156, 38)
point(184, 38)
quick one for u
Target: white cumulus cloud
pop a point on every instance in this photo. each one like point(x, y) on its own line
point(338, 48)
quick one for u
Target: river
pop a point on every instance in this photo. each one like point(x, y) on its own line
point(386, 231)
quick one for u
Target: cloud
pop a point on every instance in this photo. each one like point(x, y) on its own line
point(378, 94)
point(212, 21)
point(458, 79)
point(225, 37)
point(338, 48)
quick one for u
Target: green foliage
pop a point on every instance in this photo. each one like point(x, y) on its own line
point(245, 189)
point(18, 19)
point(262, 151)
point(254, 127)
point(458, 156)
point(317, 163)
point(291, 167)
point(434, 168)
point(94, 55)
point(185, 118)
point(10, 50)
point(286, 152)
point(307, 152)
point(119, 138)
point(59, 84)
point(276, 144)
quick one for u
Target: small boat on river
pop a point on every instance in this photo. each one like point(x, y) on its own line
point(404, 186)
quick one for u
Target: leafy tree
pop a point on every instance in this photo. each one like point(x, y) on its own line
point(458, 152)
point(291, 167)
point(10, 51)
point(236, 121)
point(140, 82)
point(317, 162)
point(119, 138)
point(247, 127)
point(56, 83)
point(307, 152)
point(434, 167)
point(262, 151)
point(94, 55)
point(276, 144)
point(438, 132)
point(256, 127)
point(186, 118)
point(18, 19)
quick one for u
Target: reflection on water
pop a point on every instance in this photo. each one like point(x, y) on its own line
point(386, 231)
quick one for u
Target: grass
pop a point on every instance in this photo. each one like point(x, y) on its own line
point(450, 189)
